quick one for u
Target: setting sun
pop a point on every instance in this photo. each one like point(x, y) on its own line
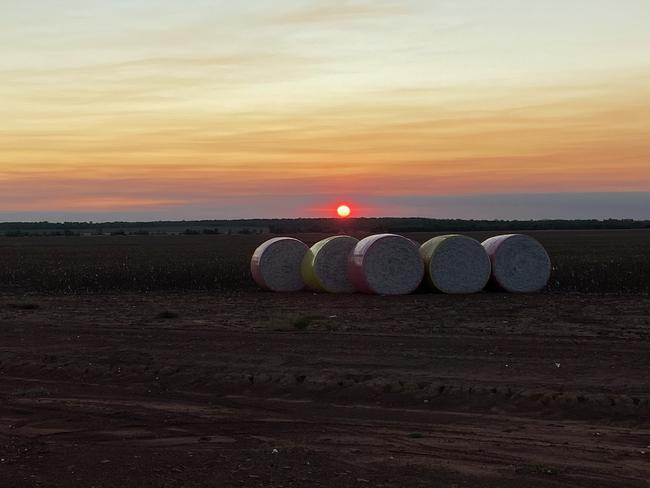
point(343, 210)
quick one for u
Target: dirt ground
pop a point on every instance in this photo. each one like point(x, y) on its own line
point(258, 389)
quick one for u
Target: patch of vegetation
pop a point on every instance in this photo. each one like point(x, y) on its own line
point(23, 306)
point(35, 392)
point(167, 314)
point(303, 322)
point(416, 435)
point(543, 469)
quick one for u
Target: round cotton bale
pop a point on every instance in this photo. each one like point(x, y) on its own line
point(325, 266)
point(455, 264)
point(275, 264)
point(386, 264)
point(520, 264)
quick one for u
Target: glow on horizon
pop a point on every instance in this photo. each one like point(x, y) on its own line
point(158, 108)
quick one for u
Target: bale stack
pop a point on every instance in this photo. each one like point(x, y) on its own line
point(325, 266)
point(386, 264)
point(520, 264)
point(455, 264)
point(276, 264)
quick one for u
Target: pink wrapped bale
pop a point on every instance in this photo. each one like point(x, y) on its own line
point(276, 264)
point(520, 263)
point(386, 264)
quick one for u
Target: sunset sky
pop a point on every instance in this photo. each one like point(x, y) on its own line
point(162, 109)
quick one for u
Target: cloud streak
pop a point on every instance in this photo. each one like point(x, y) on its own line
point(338, 11)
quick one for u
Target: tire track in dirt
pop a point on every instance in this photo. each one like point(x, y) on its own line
point(472, 444)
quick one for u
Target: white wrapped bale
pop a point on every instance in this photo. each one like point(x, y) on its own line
point(275, 264)
point(455, 264)
point(520, 264)
point(325, 266)
point(386, 264)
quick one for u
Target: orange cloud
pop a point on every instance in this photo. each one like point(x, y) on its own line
point(528, 139)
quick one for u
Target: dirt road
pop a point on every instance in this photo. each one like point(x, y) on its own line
point(256, 389)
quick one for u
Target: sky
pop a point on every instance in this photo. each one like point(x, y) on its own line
point(162, 110)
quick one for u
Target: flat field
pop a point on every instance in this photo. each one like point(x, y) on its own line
point(155, 362)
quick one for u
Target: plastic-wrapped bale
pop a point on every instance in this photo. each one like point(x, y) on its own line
point(276, 263)
point(520, 264)
point(455, 264)
point(325, 266)
point(386, 264)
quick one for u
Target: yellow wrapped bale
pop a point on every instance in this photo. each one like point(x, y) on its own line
point(455, 264)
point(325, 266)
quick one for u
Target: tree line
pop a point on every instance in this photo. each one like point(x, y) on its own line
point(305, 225)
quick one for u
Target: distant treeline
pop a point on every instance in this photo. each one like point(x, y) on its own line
point(302, 225)
point(396, 224)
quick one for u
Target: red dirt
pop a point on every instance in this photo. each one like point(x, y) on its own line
point(424, 390)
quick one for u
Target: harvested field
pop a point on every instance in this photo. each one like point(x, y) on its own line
point(174, 378)
point(611, 261)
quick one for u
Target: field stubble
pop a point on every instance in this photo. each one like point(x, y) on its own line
point(583, 261)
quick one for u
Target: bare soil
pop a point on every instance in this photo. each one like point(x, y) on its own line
point(259, 389)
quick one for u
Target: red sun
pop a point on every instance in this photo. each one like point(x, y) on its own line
point(343, 211)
